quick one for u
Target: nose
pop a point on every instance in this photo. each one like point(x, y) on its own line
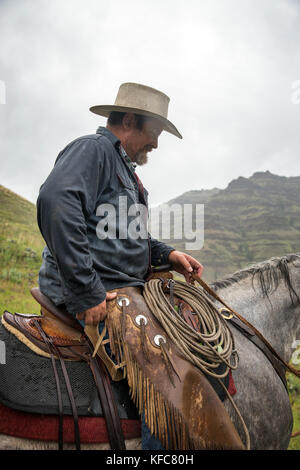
point(155, 142)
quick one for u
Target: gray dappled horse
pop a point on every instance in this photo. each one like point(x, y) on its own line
point(267, 296)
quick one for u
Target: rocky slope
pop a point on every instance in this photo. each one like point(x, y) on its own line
point(251, 220)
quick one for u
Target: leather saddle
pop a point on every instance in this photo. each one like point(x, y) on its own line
point(57, 335)
point(65, 332)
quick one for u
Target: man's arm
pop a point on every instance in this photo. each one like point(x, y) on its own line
point(180, 262)
point(65, 201)
point(159, 252)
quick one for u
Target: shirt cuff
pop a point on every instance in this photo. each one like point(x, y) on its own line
point(163, 257)
point(79, 303)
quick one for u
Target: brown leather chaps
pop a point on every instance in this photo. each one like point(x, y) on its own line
point(181, 407)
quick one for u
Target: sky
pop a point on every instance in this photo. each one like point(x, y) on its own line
point(230, 67)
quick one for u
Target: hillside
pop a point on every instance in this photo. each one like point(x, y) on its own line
point(251, 220)
point(20, 252)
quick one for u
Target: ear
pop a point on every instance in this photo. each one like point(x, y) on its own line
point(128, 121)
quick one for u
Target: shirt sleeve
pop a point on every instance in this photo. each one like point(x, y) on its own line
point(65, 201)
point(159, 252)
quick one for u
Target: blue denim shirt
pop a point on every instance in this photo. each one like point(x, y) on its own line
point(79, 267)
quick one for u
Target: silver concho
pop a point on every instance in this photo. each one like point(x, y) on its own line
point(139, 318)
point(158, 338)
point(121, 299)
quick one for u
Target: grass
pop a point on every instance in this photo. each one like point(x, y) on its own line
point(21, 246)
point(294, 393)
point(16, 297)
point(20, 261)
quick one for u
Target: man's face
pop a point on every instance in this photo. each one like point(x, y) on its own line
point(140, 142)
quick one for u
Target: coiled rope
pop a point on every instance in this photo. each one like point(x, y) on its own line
point(208, 348)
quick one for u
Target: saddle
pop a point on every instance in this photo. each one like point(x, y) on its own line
point(66, 333)
point(57, 335)
point(178, 403)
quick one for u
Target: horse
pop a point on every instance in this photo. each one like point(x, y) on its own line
point(266, 295)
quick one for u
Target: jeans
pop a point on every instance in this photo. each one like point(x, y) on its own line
point(149, 442)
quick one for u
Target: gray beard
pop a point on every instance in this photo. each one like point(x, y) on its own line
point(141, 158)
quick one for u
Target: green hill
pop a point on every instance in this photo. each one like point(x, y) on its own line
point(21, 246)
point(251, 220)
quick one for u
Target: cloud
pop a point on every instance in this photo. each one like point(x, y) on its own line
point(227, 66)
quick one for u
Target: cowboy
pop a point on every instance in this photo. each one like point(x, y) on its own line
point(93, 175)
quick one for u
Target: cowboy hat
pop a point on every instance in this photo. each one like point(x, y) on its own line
point(140, 99)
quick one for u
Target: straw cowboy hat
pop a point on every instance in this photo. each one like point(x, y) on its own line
point(140, 99)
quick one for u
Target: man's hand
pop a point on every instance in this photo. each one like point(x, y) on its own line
point(94, 315)
point(185, 264)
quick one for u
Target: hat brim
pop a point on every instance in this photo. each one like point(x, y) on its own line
point(105, 110)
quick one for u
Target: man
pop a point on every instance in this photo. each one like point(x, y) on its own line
point(92, 175)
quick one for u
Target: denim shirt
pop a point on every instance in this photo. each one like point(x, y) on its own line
point(79, 263)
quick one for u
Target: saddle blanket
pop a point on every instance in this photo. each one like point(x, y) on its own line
point(27, 383)
point(45, 427)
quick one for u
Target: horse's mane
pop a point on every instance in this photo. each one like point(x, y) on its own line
point(268, 273)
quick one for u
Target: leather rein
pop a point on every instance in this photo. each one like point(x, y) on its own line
point(103, 385)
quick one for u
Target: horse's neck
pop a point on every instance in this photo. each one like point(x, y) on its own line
point(275, 317)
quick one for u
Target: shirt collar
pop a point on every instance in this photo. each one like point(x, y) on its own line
point(129, 163)
point(110, 136)
point(117, 144)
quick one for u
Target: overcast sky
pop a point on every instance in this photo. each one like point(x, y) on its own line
point(230, 67)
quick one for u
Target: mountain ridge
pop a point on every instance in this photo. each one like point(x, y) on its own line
point(251, 220)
